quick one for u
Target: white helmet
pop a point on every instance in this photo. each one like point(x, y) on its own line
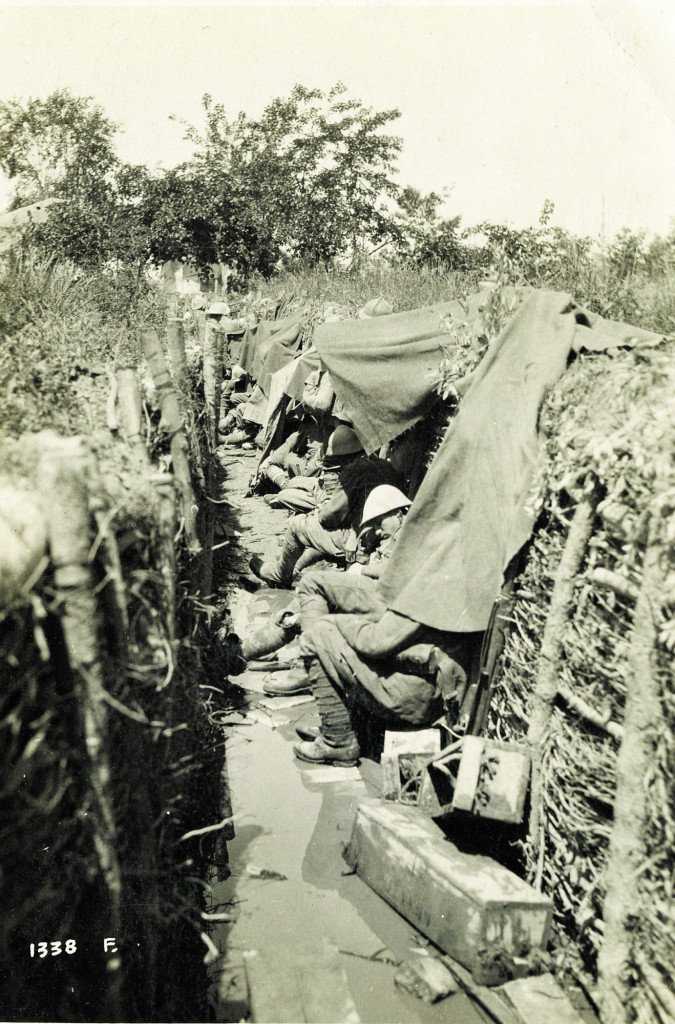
point(375, 307)
point(381, 501)
point(218, 309)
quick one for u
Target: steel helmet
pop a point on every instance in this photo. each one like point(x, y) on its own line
point(376, 307)
point(343, 441)
point(218, 309)
point(198, 302)
point(383, 500)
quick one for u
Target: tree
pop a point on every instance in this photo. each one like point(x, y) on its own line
point(64, 146)
point(60, 146)
point(102, 224)
point(310, 179)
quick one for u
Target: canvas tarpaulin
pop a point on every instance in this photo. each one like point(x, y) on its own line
point(470, 515)
point(277, 396)
point(304, 365)
point(278, 356)
point(382, 368)
point(286, 382)
point(256, 343)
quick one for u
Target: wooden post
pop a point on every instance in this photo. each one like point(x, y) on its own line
point(546, 686)
point(213, 377)
point(131, 412)
point(172, 423)
point(64, 466)
point(181, 377)
point(627, 852)
point(212, 349)
point(175, 338)
point(166, 554)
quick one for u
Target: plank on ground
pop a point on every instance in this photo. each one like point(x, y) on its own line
point(297, 986)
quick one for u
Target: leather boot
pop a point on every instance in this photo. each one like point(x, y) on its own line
point(279, 573)
point(236, 437)
point(287, 684)
point(320, 752)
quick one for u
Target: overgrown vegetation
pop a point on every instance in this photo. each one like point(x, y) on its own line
point(66, 332)
point(311, 183)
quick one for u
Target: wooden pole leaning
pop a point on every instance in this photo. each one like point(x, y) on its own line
point(546, 686)
point(172, 423)
point(627, 849)
point(64, 471)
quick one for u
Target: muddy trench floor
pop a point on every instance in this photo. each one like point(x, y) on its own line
point(300, 922)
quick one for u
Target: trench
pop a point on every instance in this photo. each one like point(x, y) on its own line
point(290, 823)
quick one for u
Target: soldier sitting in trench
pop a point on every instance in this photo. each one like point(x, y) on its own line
point(294, 469)
point(319, 592)
point(366, 661)
point(236, 428)
point(363, 661)
point(330, 530)
point(296, 465)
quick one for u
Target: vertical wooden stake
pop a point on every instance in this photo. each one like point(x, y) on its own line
point(213, 377)
point(166, 555)
point(627, 851)
point(175, 339)
point(64, 466)
point(131, 412)
point(546, 687)
point(172, 422)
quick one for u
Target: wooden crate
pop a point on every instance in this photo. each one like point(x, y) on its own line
point(405, 754)
point(492, 779)
point(462, 902)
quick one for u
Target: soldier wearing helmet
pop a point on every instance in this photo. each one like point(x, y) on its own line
point(383, 515)
point(346, 480)
point(375, 307)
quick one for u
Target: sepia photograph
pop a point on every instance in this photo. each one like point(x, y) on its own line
point(337, 512)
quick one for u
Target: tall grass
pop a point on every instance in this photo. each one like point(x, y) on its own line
point(58, 321)
point(615, 280)
point(405, 287)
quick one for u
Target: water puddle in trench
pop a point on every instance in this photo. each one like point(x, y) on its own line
point(295, 821)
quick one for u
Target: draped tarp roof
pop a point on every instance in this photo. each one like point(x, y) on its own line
point(471, 515)
point(256, 343)
point(382, 368)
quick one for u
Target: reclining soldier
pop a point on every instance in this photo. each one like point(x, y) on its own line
point(330, 530)
point(296, 465)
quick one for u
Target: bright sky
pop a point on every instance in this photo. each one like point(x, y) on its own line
point(510, 105)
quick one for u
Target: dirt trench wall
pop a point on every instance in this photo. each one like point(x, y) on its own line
point(108, 755)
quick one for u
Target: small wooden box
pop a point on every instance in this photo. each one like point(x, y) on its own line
point(492, 779)
point(404, 755)
point(462, 902)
